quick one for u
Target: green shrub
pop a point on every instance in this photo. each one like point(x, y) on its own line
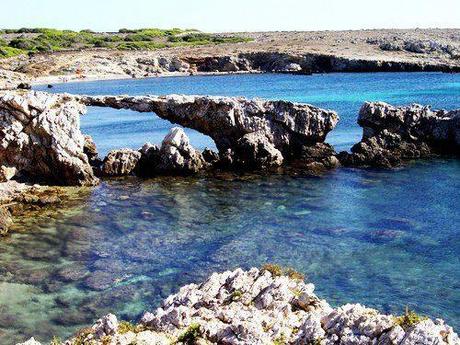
point(6, 52)
point(277, 270)
point(409, 319)
point(274, 269)
point(192, 333)
point(49, 40)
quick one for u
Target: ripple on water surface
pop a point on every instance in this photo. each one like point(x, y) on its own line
point(362, 236)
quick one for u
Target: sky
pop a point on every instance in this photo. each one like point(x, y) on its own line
point(230, 15)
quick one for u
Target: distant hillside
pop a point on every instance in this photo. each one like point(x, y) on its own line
point(33, 40)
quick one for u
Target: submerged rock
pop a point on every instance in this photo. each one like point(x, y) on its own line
point(40, 136)
point(392, 135)
point(263, 307)
point(5, 220)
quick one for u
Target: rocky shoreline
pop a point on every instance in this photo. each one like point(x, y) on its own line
point(267, 306)
point(265, 52)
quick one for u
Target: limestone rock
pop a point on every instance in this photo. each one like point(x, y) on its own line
point(12, 80)
point(392, 135)
point(108, 325)
point(429, 332)
point(287, 126)
point(150, 157)
point(7, 173)
point(40, 136)
point(120, 162)
point(258, 307)
point(255, 150)
point(177, 155)
point(31, 341)
point(90, 150)
point(210, 156)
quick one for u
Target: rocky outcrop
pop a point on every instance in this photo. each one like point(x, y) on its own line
point(274, 130)
point(177, 155)
point(120, 162)
point(40, 137)
point(392, 135)
point(264, 307)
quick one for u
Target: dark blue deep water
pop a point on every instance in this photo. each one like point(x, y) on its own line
point(388, 239)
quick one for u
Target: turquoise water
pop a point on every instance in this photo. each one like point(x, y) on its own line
point(342, 92)
point(383, 238)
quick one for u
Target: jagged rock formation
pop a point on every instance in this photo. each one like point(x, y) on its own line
point(177, 155)
point(392, 135)
point(120, 162)
point(276, 129)
point(264, 307)
point(40, 136)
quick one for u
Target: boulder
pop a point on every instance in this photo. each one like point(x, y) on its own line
point(256, 151)
point(7, 173)
point(120, 162)
point(90, 151)
point(177, 155)
point(40, 136)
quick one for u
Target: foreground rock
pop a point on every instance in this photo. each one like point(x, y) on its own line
point(264, 307)
point(247, 132)
point(40, 137)
point(392, 135)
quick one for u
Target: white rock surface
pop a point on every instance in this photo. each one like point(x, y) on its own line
point(40, 136)
point(256, 307)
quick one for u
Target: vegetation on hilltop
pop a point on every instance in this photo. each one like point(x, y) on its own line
point(33, 40)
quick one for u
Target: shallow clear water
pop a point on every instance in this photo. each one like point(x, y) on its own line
point(383, 238)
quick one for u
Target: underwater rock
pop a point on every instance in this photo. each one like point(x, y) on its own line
point(40, 136)
point(264, 307)
point(99, 280)
point(392, 135)
point(287, 126)
point(5, 220)
point(120, 162)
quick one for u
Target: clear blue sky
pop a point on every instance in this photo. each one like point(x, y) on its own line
point(230, 15)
